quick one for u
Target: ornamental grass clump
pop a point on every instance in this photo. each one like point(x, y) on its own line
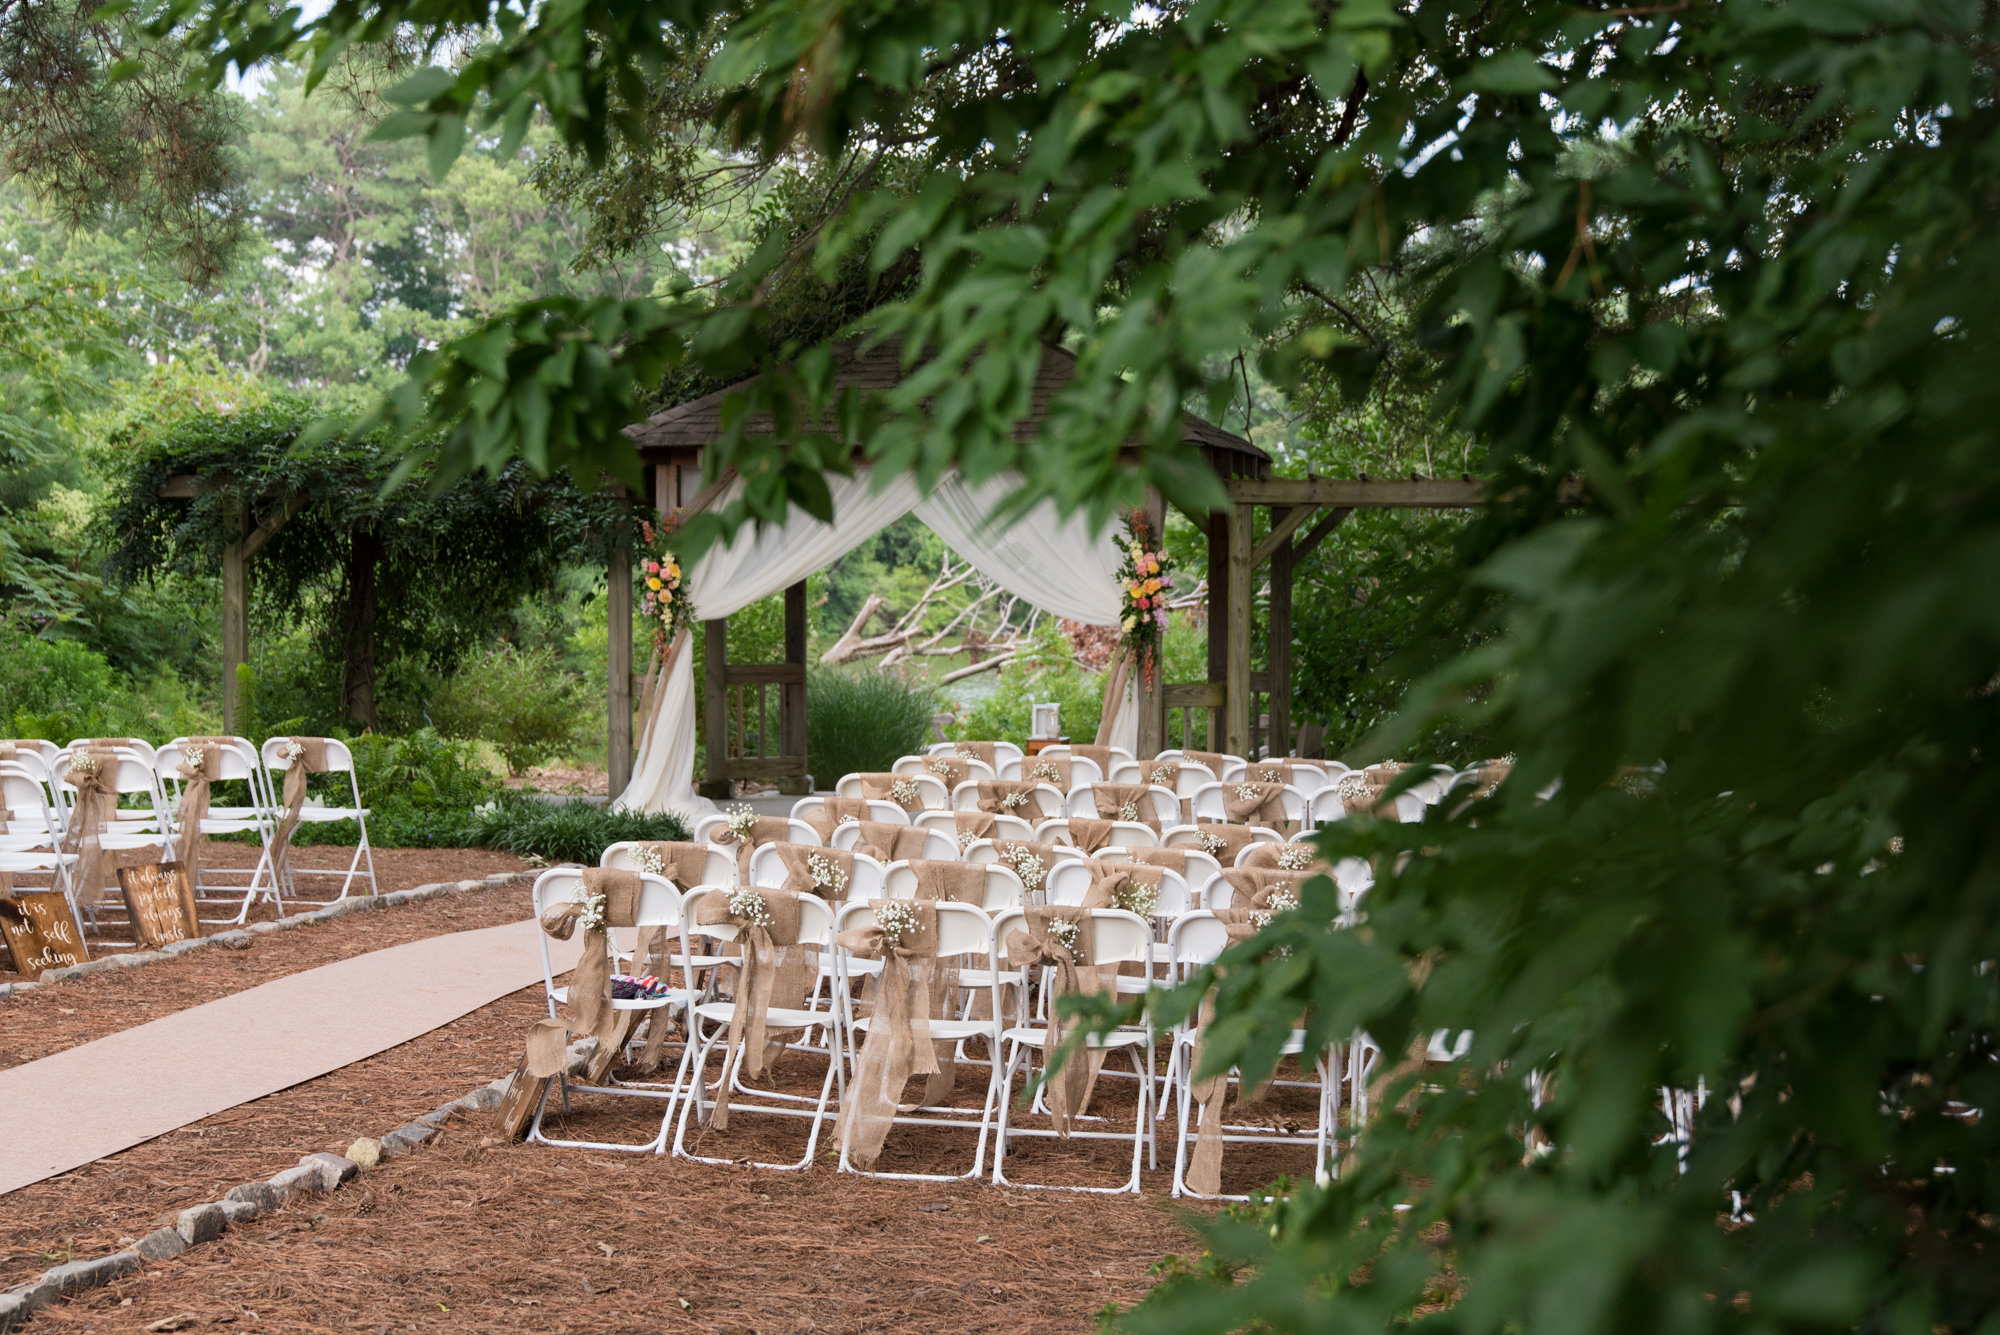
point(862, 722)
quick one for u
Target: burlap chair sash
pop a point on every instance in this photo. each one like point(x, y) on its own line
point(765, 947)
point(1253, 887)
point(95, 803)
point(1204, 1174)
point(898, 788)
point(763, 830)
point(1218, 762)
point(1224, 842)
point(681, 861)
point(1361, 791)
point(1297, 859)
point(834, 812)
point(1032, 862)
point(1270, 771)
point(1173, 859)
point(1125, 801)
point(964, 882)
point(980, 751)
point(1490, 776)
point(1005, 797)
point(590, 1010)
point(826, 872)
point(1033, 946)
point(888, 842)
point(1047, 769)
point(195, 780)
point(1131, 886)
point(972, 825)
point(1256, 804)
point(1089, 834)
point(948, 770)
point(313, 761)
point(1101, 756)
point(899, 1043)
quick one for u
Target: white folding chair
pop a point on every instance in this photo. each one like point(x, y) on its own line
point(1119, 938)
point(708, 1027)
point(138, 744)
point(1002, 751)
point(236, 761)
point(1065, 749)
point(988, 850)
point(1127, 833)
point(796, 830)
point(879, 809)
point(1159, 804)
point(339, 760)
point(1047, 796)
point(964, 933)
point(1328, 805)
point(943, 766)
point(939, 846)
point(660, 909)
point(718, 867)
point(945, 823)
point(31, 823)
point(1209, 809)
point(1003, 887)
point(1194, 941)
point(1082, 769)
point(767, 869)
point(931, 791)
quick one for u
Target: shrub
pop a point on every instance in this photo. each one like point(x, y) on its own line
point(521, 700)
point(564, 831)
point(863, 720)
point(53, 689)
point(1045, 671)
point(420, 791)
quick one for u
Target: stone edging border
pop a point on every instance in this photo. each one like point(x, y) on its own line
point(318, 1174)
point(241, 937)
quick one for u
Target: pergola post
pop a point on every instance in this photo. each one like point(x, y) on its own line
point(1281, 637)
point(715, 710)
point(792, 697)
point(235, 621)
point(618, 695)
point(1237, 703)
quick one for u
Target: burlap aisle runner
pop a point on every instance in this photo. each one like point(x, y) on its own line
point(311, 759)
point(201, 757)
point(1257, 804)
point(887, 842)
point(973, 825)
point(767, 923)
point(1006, 797)
point(904, 937)
point(1125, 801)
point(1224, 842)
point(747, 834)
point(834, 812)
point(94, 804)
point(1063, 938)
point(1204, 1173)
point(898, 788)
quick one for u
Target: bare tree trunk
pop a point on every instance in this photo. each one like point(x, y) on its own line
point(849, 644)
point(357, 657)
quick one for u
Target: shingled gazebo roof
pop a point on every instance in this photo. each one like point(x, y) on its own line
point(674, 434)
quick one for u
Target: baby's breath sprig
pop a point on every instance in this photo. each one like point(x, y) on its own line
point(749, 906)
point(1248, 792)
point(966, 839)
point(1136, 897)
point(1045, 771)
point(1295, 857)
point(897, 921)
point(592, 917)
point(1165, 775)
point(1213, 844)
point(83, 763)
point(742, 821)
point(194, 758)
point(1065, 933)
point(903, 792)
point(1130, 811)
point(292, 753)
point(826, 874)
point(1013, 800)
point(1281, 900)
point(943, 768)
point(1028, 867)
point(650, 861)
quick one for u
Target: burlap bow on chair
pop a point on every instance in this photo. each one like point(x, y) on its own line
point(810, 870)
point(1047, 769)
point(205, 753)
point(1204, 1173)
point(948, 770)
point(1099, 756)
point(762, 830)
point(1088, 834)
point(1216, 762)
point(888, 842)
point(1300, 859)
point(95, 804)
point(1006, 797)
point(1224, 842)
point(1173, 859)
point(1361, 791)
point(767, 923)
point(1125, 801)
point(904, 937)
point(980, 751)
point(964, 882)
point(834, 812)
point(311, 760)
point(1256, 804)
point(1069, 951)
point(973, 825)
point(898, 788)
point(1256, 887)
point(1270, 771)
point(1131, 886)
point(681, 861)
point(1030, 861)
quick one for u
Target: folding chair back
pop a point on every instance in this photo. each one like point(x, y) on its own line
point(24, 804)
point(931, 791)
point(1124, 833)
point(938, 845)
point(942, 822)
point(719, 868)
point(138, 744)
point(659, 906)
point(798, 832)
point(988, 850)
point(1003, 887)
point(1082, 769)
point(879, 809)
point(815, 918)
point(1002, 751)
point(1164, 806)
point(1046, 796)
point(767, 870)
point(1209, 809)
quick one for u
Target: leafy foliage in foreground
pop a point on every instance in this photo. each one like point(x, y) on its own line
point(566, 831)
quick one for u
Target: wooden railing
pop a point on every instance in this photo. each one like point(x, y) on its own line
point(756, 723)
point(1199, 705)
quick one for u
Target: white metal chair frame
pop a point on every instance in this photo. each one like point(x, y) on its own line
point(797, 831)
point(930, 789)
point(1082, 769)
point(236, 761)
point(1120, 938)
point(963, 931)
point(1003, 888)
point(974, 769)
point(708, 1025)
point(660, 908)
point(965, 797)
point(939, 846)
point(339, 760)
point(1002, 751)
point(1208, 808)
point(767, 871)
point(1127, 833)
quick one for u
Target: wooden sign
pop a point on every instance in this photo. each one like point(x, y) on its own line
point(160, 902)
point(41, 931)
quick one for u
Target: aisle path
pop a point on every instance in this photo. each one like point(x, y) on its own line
point(80, 1105)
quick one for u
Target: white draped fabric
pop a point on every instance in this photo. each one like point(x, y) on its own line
point(1057, 565)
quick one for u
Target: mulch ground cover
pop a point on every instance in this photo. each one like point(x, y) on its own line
point(471, 1234)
